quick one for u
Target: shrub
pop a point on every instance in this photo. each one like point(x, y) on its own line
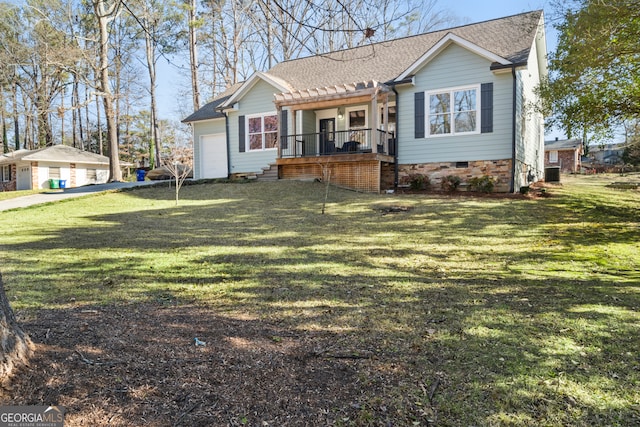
point(419, 182)
point(450, 182)
point(483, 184)
point(525, 189)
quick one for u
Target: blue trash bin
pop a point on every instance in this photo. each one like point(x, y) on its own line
point(63, 183)
point(140, 174)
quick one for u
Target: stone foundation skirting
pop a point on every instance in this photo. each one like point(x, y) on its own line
point(499, 170)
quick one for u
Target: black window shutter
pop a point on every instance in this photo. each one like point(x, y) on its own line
point(241, 135)
point(419, 119)
point(486, 109)
point(284, 128)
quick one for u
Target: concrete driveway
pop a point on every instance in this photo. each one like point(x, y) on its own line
point(67, 193)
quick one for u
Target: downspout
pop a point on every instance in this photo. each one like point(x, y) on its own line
point(395, 149)
point(228, 141)
point(513, 132)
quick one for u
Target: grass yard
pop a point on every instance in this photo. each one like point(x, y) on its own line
point(389, 310)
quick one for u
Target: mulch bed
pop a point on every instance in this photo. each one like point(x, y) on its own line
point(139, 365)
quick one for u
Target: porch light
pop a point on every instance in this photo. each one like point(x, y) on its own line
point(340, 114)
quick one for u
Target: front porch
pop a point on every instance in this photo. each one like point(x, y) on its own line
point(344, 134)
point(333, 142)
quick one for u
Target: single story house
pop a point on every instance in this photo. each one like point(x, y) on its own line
point(34, 169)
point(607, 154)
point(565, 154)
point(450, 102)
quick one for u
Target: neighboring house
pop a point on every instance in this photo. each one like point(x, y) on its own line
point(450, 102)
point(565, 154)
point(33, 169)
point(609, 154)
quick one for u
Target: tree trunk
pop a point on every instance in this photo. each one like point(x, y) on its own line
point(104, 17)
point(193, 55)
point(15, 345)
point(151, 64)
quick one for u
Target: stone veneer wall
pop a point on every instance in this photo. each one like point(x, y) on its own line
point(498, 169)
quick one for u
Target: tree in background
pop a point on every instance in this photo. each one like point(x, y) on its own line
point(631, 153)
point(594, 75)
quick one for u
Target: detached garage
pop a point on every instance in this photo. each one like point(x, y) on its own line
point(36, 169)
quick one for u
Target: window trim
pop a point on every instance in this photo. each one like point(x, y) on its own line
point(381, 115)
point(347, 110)
point(555, 156)
point(247, 135)
point(451, 91)
point(5, 177)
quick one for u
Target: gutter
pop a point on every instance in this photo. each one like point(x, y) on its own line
point(228, 141)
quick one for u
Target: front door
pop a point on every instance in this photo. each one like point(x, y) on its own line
point(327, 136)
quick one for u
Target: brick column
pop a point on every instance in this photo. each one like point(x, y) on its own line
point(35, 183)
point(72, 172)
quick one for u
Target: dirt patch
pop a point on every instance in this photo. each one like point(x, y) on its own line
point(139, 365)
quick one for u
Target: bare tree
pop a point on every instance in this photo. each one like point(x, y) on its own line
point(194, 25)
point(106, 11)
point(178, 162)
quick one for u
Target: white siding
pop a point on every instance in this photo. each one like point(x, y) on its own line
point(529, 123)
point(257, 101)
point(455, 67)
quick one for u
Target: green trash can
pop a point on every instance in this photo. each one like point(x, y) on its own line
point(54, 183)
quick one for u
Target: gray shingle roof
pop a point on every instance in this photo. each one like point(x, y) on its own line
point(56, 153)
point(510, 38)
point(563, 144)
point(208, 111)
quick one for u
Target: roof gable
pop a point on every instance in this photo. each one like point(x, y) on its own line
point(441, 45)
point(274, 81)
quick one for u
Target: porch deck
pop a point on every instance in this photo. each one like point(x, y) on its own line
point(366, 172)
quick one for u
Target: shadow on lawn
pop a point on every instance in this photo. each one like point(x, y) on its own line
point(440, 324)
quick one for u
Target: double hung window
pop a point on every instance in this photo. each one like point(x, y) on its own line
point(262, 132)
point(5, 173)
point(453, 111)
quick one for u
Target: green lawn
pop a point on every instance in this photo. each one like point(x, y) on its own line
point(485, 311)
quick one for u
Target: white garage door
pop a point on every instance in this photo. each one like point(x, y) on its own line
point(213, 156)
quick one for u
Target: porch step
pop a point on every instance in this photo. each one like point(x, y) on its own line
point(269, 173)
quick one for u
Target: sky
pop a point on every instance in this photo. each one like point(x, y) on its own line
point(467, 12)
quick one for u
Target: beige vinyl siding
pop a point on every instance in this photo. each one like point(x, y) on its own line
point(456, 67)
point(258, 100)
point(200, 129)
